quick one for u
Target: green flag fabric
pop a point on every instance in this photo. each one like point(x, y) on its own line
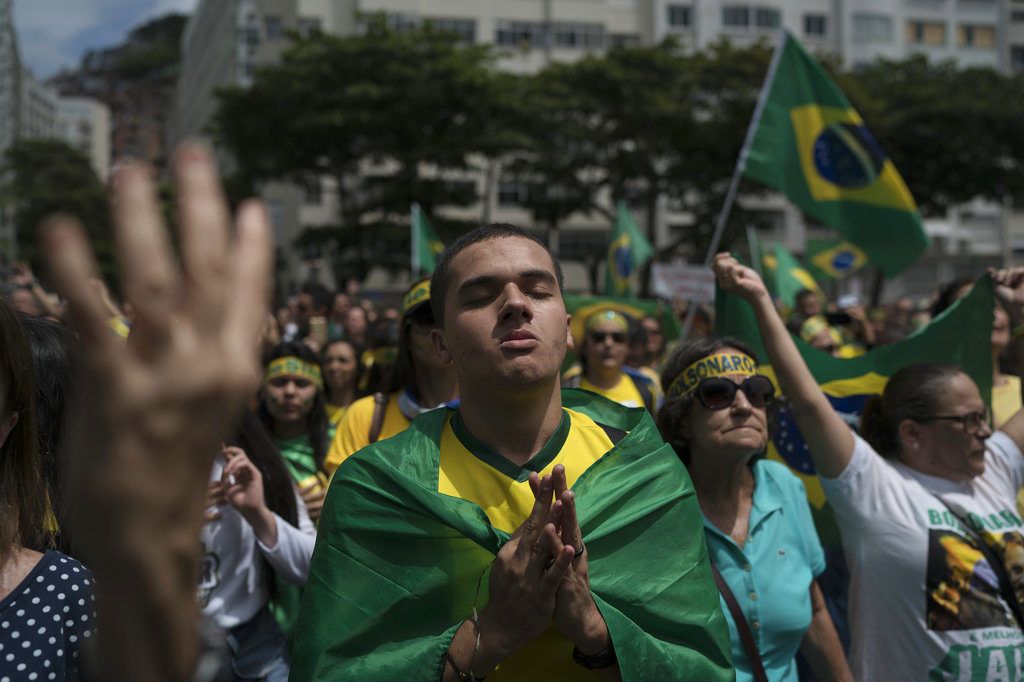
point(811, 145)
point(829, 258)
point(628, 250)
point(397, 564)
point(786, 276)
point(426, 246)
point(960, 335)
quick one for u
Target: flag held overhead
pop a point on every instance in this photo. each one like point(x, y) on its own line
point(810, 144)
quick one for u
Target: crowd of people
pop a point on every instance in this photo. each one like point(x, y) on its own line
point(199, 486)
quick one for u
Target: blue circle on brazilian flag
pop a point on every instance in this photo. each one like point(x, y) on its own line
point(843, 260)
point(846, 154)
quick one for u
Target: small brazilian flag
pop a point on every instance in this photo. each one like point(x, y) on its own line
point(960, 335)
point(834, 259)
point(812, 146)
point(426, 246)
point(628, 250)
point(787, 276)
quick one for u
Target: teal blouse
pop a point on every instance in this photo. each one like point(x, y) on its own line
point(771, 575)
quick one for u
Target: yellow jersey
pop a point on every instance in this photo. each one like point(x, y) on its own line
point(353, 433)
point(470, 470)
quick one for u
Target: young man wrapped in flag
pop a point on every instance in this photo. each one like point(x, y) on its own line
point(532, 533)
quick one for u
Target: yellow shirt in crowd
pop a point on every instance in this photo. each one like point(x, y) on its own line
point(353, 432)
point(624, 392)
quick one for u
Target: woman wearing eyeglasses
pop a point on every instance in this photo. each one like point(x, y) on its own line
point(925, 504)
point(761, 539)
point(602, 360)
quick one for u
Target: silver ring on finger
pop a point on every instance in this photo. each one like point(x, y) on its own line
point(579, 552)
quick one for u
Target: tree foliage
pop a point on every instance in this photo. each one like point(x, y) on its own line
point(393, 117)
point(45, 177)
point(396, 117)
point(954, 134)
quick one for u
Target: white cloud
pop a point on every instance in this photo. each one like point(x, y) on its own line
point(55, 33)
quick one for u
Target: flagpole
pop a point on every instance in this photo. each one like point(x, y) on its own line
point(741, 165)
point(414, 210)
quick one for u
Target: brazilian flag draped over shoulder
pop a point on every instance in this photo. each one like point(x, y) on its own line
point(960, 335)
point(397, 564)
point(812, 146)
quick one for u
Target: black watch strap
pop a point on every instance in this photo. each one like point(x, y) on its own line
point(605, 659)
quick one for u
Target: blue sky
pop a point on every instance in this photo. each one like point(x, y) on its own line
point(55, 33)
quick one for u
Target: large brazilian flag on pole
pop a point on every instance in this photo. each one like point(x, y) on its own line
point(960, 335)
point(812, 146)
point(399, 566)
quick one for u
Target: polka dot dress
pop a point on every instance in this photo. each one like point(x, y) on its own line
point(45, 620)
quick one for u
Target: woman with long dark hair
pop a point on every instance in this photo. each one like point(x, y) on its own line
point(292, 408)
point(36, 582)
point(257, 531)
point(421, 381)
point(342, 368)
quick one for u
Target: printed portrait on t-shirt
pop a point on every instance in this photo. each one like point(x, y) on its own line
point(962, 587)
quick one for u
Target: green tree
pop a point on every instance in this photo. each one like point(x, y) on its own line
point(393, 117)
point(46, 177)
point(954, 134)
point(639, 124)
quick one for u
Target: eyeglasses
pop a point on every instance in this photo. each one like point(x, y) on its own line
point(970, 422)
point(599, 337)
point(717, 393)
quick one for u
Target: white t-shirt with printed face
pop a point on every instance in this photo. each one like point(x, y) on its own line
point(925, 604)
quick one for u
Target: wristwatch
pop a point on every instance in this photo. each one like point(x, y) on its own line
point(605, 659)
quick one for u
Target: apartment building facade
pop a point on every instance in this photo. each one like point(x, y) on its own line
point(228, 36)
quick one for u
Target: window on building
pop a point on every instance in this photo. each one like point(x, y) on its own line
point(512, 192)
point(1017, 57)
point(526, 34)
point(272, 27)
point(1017, 15)
point(402, 22)
point(578, 36)
point(309, 26)
point(313, 191)
point(463, 29)
point(621, 40)
point(975, 35)
point(926, 33)
point(736, 16)
point(815, 25)
point(679, 16)
point(767, 17)
point(872, 27)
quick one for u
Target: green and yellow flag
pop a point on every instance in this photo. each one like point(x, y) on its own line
point(834, 259)
point(786, 276)
point(426, 246)
point(628, 250)
point(812, 146)
point(960, 335)
point(397, 563)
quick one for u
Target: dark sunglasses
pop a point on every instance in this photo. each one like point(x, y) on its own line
point(717, 393)
point(599, 337)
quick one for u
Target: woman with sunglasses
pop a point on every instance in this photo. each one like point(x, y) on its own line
point(603, 355)
point(924, 499)
point(764, 551)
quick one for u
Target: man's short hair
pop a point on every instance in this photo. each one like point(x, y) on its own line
point(443, 272)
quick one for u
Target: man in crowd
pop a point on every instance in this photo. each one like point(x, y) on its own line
point(529, 534)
